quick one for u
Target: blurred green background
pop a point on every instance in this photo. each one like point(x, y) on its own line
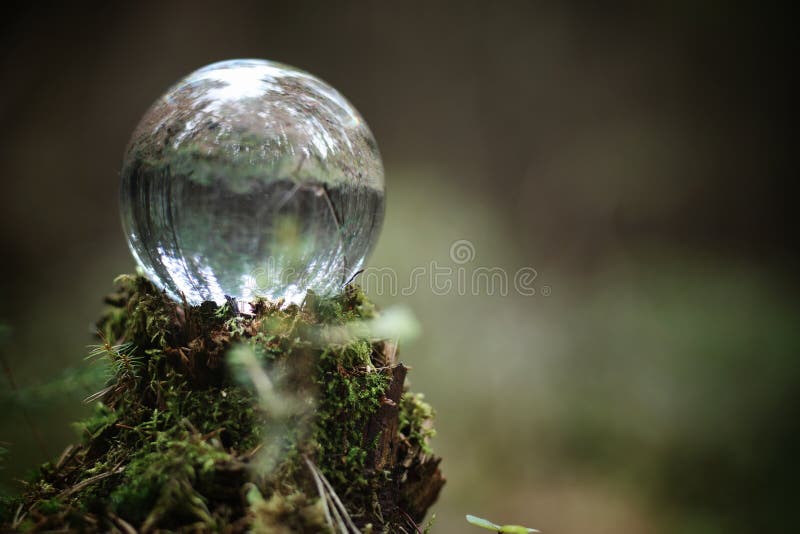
point(636, 157)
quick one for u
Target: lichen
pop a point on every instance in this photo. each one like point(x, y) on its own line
point(179, 431)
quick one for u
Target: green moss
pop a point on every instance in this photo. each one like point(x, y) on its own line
point(50, 506)
point(178, 431)
point(280, 514)
point(168, 477)
point(347, 401)
point(93, 426)
point(416, 417)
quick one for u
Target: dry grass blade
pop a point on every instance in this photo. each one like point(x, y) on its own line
point(410, 521)
point(321, 490)
point(328, 495)
point(18, 518)
point(89, 481)
point(97, 395)
point(123, 525)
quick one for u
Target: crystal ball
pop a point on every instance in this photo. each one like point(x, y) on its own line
point(250, 178)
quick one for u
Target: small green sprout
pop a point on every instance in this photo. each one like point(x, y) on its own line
point(502, 529)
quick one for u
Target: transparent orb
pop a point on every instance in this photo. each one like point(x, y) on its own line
point(251, 179)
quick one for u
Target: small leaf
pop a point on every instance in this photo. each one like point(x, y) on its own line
point(516, 529)
point(483, 523)
point(504, 529)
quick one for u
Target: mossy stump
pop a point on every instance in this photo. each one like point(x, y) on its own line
point(283, 420)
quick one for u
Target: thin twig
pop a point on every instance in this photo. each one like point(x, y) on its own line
point(91, 480)
point(337, 502)
point(66, 455)
point(354, 276)
point(321, 490)
point(343, 519)
point(98, 395)
point(123, 525)
point(18, 517)
point(410, 520)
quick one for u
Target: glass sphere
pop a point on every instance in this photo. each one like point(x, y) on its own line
point(249, 179)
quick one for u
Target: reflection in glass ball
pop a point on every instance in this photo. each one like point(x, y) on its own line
point(251, 179)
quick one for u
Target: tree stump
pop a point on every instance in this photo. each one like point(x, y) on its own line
point(283, 420)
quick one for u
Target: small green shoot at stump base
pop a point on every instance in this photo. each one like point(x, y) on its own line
point(502, 529)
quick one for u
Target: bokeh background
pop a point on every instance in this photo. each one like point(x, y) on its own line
point(636, 157)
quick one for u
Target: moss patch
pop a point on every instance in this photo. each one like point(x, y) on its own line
point(188, 437)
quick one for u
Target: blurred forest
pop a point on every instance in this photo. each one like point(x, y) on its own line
point(636, 157)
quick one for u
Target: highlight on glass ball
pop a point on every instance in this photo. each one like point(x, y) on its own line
point(250, 178)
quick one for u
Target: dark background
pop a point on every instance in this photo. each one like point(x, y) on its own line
point(637, 157)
